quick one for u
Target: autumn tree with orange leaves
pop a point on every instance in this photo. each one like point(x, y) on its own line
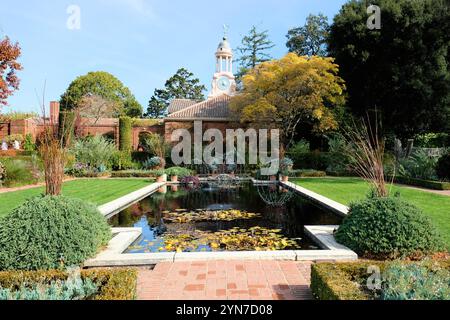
point(291, 91)
point(9, 82)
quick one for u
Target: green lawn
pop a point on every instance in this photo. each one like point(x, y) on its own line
point(98, 191)
point(345, 190)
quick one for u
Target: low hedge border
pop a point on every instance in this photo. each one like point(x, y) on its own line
point(115, 284)
point(306, 173)
point(435, 185)
point(341, 281)
point(133, 174)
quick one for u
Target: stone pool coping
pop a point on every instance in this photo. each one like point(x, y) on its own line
point(332, 205)
point(114, 207)
point(322, 235)
point(114, 254)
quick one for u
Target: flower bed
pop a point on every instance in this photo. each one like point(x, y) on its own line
point(347, 281)
point(113, 284)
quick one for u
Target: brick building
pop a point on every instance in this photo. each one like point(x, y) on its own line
point(213, 112)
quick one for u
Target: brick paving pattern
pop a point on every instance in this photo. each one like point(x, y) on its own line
point(226, 280)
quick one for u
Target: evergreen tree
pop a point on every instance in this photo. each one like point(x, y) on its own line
point(401, 70)
point(253, 50)
point(182, 85)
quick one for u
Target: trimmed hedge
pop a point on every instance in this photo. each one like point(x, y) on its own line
point(115, 284)
point(134, 174)
point(305, 173)
point(346, 280)
point(125, 134)
point(435, 185)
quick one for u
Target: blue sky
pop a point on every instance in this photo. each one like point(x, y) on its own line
point(142, 42)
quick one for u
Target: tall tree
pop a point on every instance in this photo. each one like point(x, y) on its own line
point(295, 89)
point(9, 82)
point(253, 50)
point(182, 85)
point(309, 40)
point(401, 70)
point(105, 85)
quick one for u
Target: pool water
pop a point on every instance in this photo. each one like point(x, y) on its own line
point(151, 215)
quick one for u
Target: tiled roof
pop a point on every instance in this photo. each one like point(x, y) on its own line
point(180, 104)
point(212, 108)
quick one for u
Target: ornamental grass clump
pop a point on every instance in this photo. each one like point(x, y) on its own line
point(51, 232)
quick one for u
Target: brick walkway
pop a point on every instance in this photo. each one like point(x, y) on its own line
point(226, 280)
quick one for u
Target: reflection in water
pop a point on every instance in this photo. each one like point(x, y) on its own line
point(290, 218)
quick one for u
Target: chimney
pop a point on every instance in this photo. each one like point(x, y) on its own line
point(54, 111)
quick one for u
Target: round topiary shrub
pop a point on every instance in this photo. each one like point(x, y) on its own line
point(388, 228)
point(443, 167)
point(51, 232)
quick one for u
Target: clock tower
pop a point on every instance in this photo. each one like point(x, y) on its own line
point(223, 80)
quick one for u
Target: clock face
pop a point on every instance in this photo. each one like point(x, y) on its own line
point(223, 83)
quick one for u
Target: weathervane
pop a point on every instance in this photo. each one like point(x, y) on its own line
point(225, 30)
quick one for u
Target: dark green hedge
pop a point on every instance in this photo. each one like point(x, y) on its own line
point(304, 173)
point(125, 134)
point(345, 281)
point(435, 185)
point(115, 284)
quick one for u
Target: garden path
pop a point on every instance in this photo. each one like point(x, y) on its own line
point(226, 280)
point(441, 192)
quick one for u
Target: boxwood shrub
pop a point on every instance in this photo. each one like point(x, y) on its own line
point(50, 232)
point(388, 228)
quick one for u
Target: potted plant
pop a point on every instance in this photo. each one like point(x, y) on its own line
point(161, 176)
point(176, 173)
point(286, 165)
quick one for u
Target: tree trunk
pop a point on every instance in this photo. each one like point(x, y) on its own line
point(53, 157)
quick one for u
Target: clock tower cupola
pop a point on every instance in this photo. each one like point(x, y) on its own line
point(223, 80)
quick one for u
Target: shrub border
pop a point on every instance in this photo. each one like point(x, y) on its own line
point(133, 174)
point(115, 284)
point(336, 281)
point(435, 185)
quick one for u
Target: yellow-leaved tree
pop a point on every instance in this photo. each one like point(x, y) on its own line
point(285, 93)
